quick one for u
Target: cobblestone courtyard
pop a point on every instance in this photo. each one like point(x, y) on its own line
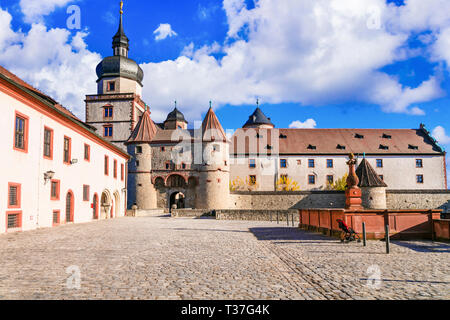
point(164, 258)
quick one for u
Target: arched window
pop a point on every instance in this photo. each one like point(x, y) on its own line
point(176, 181)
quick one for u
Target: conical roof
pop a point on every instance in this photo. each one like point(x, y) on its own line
point(367, 176)
point(145, 130)
point(212, 129)
point(175, 115)
point(258, 118)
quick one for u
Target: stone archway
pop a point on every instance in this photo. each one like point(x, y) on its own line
point(178, 199)
point(105, 204)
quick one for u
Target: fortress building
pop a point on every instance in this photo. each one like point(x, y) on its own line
point(174, 165)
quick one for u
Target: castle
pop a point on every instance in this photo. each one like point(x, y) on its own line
point(172, 165)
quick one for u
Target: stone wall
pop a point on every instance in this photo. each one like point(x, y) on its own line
point(191, 213)
point(262, 200)
point(396, 200)
point(418, 199)
point(258, 215)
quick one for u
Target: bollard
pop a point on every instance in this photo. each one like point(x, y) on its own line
point(387, 239)
point(364, 234)
point(270, 214)
point(292, 219)
point(278, 218)
point(287, 219)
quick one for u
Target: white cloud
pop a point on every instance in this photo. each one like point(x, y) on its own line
point(311, 52)
point(440, 135)
point(34, 10)
point(163, 31)
point(308, 124)
point(53, 60)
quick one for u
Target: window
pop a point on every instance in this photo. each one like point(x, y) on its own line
point(311, 163)
point(252, 163)
point(163, 149)
point(87, 152)
point(48, 143)
point(252, 180)
point(329, 163)
point(115, 169)
point(330, 179)
point(137, 163)
point(106, 165)
point(419, 163)
point(225, 163)
point(122, 171)
point(86, 193)
point(379, 163)
point(183, 166)
point(13, 220)
point(312, 179)
point(216, 147)
point(419, 178)
point(299, 162)
point(283, 163)
point(167, 165)
point(21, 133)
point(111, 86)
point(107, 131)
point(54, 189)
point(138, 149)
point(56, 217)
point(14, 195)
point(67, 150)
point(381, 177)
point(108, 112)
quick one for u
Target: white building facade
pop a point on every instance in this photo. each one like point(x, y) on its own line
point(56, 169)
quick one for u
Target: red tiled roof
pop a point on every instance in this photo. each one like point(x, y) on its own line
point(334, 141)
point(26, 85)
point(145, 130)
point(212, 129)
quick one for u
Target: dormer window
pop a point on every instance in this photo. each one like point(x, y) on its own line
point(340, 147)
point(282, 136)
point(311, 147)
point(413, 147)
point(386, 136)
point(258, 136)
point(383, 147)
point(359, 136)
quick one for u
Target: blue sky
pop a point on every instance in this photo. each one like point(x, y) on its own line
point(324, 63)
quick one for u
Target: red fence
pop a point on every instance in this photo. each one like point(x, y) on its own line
point(441, 229)
point(403, 224)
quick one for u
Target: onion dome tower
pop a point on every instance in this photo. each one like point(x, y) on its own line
point(214, 173)
point(141, 190)
point(118, 73)
point(258, 120)
point(372, 187)
point(175, 120)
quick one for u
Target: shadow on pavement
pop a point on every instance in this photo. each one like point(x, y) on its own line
point(292, 234)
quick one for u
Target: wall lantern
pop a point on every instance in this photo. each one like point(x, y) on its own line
point(74, 161)
point(48, 176)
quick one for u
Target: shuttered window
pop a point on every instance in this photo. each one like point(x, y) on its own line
point(55, 217)
point(54, 190)
point(48, 141)
point(20, 133)
point(106, 165)
point(66, 150)
point(86, 193)
point(87, 152)
point(69, 217)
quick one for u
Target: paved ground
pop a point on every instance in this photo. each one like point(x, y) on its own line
point(163, 258)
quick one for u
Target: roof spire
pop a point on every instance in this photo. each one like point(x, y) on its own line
point(120, 40)
point(210, 104)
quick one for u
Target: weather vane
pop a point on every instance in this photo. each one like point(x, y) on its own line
point(121, 7)
point(175, 104)
point(210, 103)
point(257, 102)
